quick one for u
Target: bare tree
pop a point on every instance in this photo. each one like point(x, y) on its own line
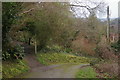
point(88, 7)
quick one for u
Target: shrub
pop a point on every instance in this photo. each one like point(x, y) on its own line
point(116, 46)
point(68, 50)
point(54, 48)
point(95, 61)
point(105, 52)
point(16, 52)
point(98, 51)
point(5, 56)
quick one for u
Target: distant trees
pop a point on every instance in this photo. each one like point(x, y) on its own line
point(87, 12)
point(91, 29)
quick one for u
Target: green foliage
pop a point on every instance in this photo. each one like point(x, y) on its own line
point(52, 24)
point(87, 72)
point(5, 55)
point(16, 52)
point(68, 50)
point(95, 61)
point(9, 17)
point(116, 46)
point(29, 28)
point(51, 49)
point(54, 58)
point(98, 51)
point(1, 71)
point(13, 69)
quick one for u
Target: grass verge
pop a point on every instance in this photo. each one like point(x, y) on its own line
point(0, 70)
point(86, 72)
point(15, 68)
point(59, 58)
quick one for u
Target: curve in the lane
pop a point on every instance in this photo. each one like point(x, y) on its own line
point(55, 71)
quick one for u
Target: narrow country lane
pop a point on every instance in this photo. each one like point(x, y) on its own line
point(54, 71)
point(51, 71)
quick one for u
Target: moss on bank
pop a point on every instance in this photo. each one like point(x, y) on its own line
point(10, 69)
point(58, 58)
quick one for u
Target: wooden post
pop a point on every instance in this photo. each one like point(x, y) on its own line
point(113, 38)
point(35, 45)
point(108, 27)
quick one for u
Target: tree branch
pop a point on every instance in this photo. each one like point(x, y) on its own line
point(27, 11)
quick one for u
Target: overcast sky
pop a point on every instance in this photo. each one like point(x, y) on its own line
point(113, 7)
point(112, 3)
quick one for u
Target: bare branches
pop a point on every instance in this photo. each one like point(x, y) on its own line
point(27, 11)
point(88, 7)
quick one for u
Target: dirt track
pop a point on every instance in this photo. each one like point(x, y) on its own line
point(52, 71)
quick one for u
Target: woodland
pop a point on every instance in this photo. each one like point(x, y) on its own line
point(39, 34)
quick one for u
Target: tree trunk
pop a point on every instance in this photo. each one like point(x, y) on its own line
point(29, 41)
point(35, 47)
point(108, 27)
